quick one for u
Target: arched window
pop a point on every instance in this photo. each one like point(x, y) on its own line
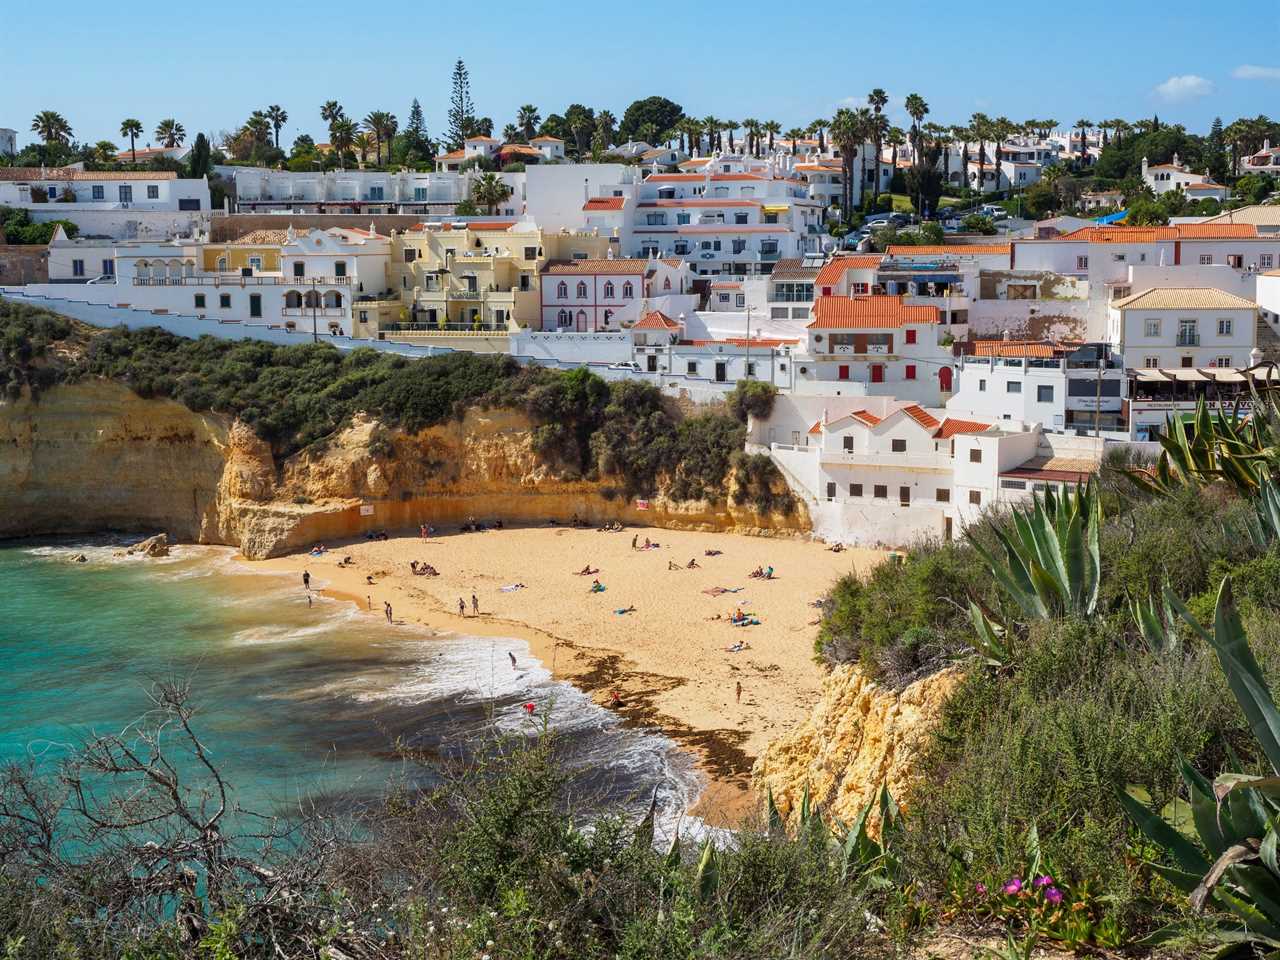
point(222, 264)
point(312, 299)
point(562, 318)
point(293, 300)
point(666, 284)
point(582, 290)
point(562, 291)
point(188, 268)
point(628, 290)
point(332, 298)
point(608, 290)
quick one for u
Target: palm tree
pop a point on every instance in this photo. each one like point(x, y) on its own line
point(331, 112)
point(895, 138)
point(980, 125)
point(373, 124)
point(1120, 129)
point(527, 119)
point(751, 127)
point(1083, 126)
point(170, 133)
point(961, 134)
point(916, 110)
point(278, 117)
point(1001, 128)
point(258, 127)
point(690, 131)
point(772, 128)
point(864, 118)
point(1047, 127)
point(940, 136)
point(511, 133)
point(712, 127)
point(490, 191)
point(51, 127)
point(132, 129)
point(104, 151)
point(362, 144)
point(795, 135)
point(877, 99)
point(342, 135)
point(846, 136)
point(819, 127)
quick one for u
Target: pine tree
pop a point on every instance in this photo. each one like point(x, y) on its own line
point(462, 113)
point(415, 136)
point(1215, 151)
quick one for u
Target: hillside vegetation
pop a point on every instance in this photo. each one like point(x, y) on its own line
point(624, 433)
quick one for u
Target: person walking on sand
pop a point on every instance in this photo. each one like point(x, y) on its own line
point(369, 600)
point(475, 605)
point(634, 541)
point(308, 599)
point(739, 691)
point(462, 608)
point(513, 659)
point(306, 579)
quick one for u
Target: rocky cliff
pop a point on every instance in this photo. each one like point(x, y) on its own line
point(858, 736)
point(94, 456)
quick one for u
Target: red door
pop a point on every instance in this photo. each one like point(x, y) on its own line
point(844, 371)
point(877, 373)
point(944, 379)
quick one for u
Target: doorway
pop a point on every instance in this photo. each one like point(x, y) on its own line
point(722, 371)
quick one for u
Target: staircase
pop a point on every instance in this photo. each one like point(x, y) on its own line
point(1268, 341)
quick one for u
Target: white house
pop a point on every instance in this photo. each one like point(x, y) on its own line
point(600, 295)
point(1189, 327)
point(1163, 177)
point(551, 148)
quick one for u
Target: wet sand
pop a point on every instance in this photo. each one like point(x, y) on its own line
point(669, 659)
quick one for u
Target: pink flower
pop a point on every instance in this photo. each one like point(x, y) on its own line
point(980, 889)
point(1053, 895)
point(1044, 881)
point(1014, 886)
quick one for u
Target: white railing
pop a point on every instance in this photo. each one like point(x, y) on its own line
point(889, 460)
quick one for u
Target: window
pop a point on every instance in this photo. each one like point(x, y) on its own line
point(99, 192)
point(126, 193)
point(1118, 257)
point(975, 497)
point(300, 268)
point(340, 268)
point(77, 268)
point(222, 264)
point(108, 268)
point(1151, 327)
point(724, 298)
point(608, 290)
point(692, 368)
point(975, 455)
point(199, 301)
point(410, 255)
point(739, 246)
point(899, 446)
point(224, 301)
point(942, 495)
point(1013, 484)
point(52, 193)
point(1151, 363)
point(683, 218)
point(1119, 293)
point(1222, 362)
point(831, 491)
point(855, 489)
point(656, 219)
point(562, 290)
point(1206, 258)
point(848, 444)
point(880, 492)
point(1235, 260)
point(982, 386)
point(740, 218)
point(1044, 394)
point(255, 305)
point(740, 301)
point(628, 290)
point(911, 336)
point(153, 191)
point(1265, 261)
point(1082, 263)
point(1013, 386)
point(768, 247)
point(860, 288)
point(910, 372)
point(375, 193)
point(681, 247)
point(582, 290)
point(1224, 327)
point(255, 264)
point(904, 496)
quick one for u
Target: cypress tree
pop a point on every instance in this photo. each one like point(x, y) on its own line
point(462, 114)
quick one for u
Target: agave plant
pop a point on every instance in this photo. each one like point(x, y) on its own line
point(1236, 864)
point(1052, 564)
point(1158, 622)
point(1263, 528)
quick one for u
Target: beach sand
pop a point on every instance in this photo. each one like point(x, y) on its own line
point(668, 659)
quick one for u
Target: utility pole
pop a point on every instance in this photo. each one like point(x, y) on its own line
point(747, 360)
point(1097, 396)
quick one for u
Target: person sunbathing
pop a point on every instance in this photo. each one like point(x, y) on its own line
point(630, 609)
point(692, 565)
point(588, 571)
point(672, 565)
point(768, 573)
point(597, 586)
point(712, 553)
point(757, 573)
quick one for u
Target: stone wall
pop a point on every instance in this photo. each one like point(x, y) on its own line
point(23, 263)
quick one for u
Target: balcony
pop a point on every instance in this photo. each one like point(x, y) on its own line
point(1187, 338)
point(307, 312)
point(889, 461)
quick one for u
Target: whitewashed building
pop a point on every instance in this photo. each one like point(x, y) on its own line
point(1186, 327)
point(1163, 177)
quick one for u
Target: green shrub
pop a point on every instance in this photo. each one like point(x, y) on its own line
point(752, 398)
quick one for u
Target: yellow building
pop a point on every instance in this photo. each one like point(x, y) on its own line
point(476, 278)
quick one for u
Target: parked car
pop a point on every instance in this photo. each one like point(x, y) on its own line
point(629, 365)
point(994, 211)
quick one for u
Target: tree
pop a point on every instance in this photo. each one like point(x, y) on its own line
point(878, 99)
point(170, 133)
point(556, 126)
point(416, 145)
point(917, 108)
point(342, 135)
point(362, 144)
point(483, 127)
point(1143, 212)
point(331, 112)
point(772, 128)
point(462, 112)
point(1001, 129)
point(466, 208)
point(582, 123)
point(489, 190)
point(1083, 126)
point(664, 114)
point(690, 130)
point(51, 127)
point(819, 127)
point(846, 136)
point(104, 151)
point(303, 146)
point(980, 124)
point(1039, 200)
point(200, 162)
point(795, 135)
point(278, 117)
point(606, 122)
point(527, 120)
point(1215, 152)
point(132, 129)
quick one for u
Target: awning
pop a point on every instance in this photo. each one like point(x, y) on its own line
point(775, 207)
point(1188, 375)
point(1228, 376)
point(1151, 376)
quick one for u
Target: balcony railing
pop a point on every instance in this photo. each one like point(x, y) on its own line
point(306, 312)
point(1188, 339)
point(235, 280)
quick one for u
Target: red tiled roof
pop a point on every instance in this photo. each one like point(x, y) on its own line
point(866, 416)
point(693, 177)
point(1182, 231)
point(817, 427)
point(621, 265)
point(951, 426)
point(453, 155)
point(38, 174)
point(523, 148)
point(698, 202)
point(867, 313)
point(604, 203)
point(949, 249)
point(921, 416)
point(1012, 348)
point(831, 273)
point(656, 320)
point(545, 139)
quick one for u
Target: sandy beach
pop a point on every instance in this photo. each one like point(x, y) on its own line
point(669, 659)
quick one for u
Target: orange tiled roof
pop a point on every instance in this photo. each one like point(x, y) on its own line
point(597, 266)
point(452, 155)
point(921, 416)
point(524, 148)
point(1207, 185)
point(867, 313)
point(831, 272)
point(694, 177)
point(604, 203)
point(949, 249)
point(545, 139)
point(480, 139)
point(656, 320)
point(1012, 348)
point(866, 416)
point(951, 426)
point(1182, 231)
point(816, 428)
point(25, 174)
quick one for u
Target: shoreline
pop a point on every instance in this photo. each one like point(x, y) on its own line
point(669, 660)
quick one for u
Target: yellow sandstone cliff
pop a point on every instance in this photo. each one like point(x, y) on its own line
point(858, 736)
point(94, 456)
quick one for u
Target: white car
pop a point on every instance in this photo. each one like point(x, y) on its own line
point(629, 365)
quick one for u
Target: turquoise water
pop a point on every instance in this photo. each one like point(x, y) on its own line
point(294, 700)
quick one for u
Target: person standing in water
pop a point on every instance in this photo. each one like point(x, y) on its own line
point(475, 605)
point(513, 659)
point(306, 579)
point(462, 608)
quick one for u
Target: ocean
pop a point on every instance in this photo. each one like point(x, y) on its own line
point(294, 701)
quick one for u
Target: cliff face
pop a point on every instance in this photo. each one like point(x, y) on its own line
point(94, 456)
point(857, 737)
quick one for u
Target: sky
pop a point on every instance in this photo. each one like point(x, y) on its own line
point(209, 69)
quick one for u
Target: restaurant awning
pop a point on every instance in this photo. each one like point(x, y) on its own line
point(1188, 375)
point(1229, 376)
point(1151, 376)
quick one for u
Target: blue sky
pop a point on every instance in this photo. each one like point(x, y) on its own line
point(97, 64)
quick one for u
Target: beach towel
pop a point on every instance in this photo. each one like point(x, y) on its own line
point(512, 587)
point(749, 622)
point(716, 591)
point(599, 588)
point(623, 610)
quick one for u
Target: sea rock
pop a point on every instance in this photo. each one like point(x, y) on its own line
point(858, 736)
point(79, 558)
point(157, 546)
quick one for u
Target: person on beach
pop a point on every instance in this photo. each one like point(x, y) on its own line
point(475, 605)
point(513, 659)
point(308, 599)
point(739, 691)
point(692, 565)
point(634, 541)
point(306, 579)
point(462, 608)
point(369, 600)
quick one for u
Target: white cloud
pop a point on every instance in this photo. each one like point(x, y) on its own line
point(1250, 71)
point(1184, 87)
